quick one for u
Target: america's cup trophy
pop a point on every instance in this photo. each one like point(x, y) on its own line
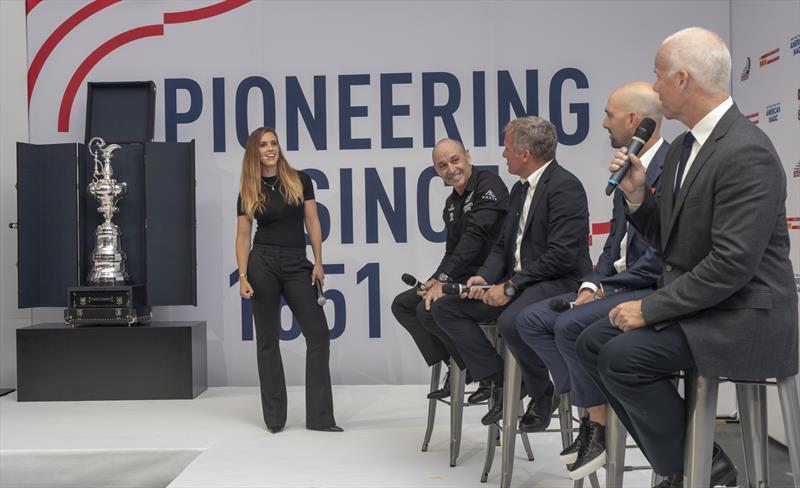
point(108, 259)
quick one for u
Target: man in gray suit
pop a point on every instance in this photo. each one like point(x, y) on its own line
point(726, 302)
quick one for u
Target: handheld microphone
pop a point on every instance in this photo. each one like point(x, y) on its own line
point(412, 282)
point(560, 305)
point(458, 288)
point(640, 138)
point(321, 300)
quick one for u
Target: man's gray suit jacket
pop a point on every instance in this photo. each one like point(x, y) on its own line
point(727, 277)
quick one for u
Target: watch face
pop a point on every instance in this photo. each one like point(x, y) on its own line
point(443, 278)
point(509, 290)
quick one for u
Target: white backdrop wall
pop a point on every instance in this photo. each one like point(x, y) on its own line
point(766, 85)
point(358, 92)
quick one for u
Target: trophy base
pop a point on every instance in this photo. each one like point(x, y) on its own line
point(107, 305)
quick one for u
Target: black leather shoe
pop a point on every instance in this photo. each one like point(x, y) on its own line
point(495, 412)
point(673, 481)
point(274, 430)
point(570, 453)
point(442, 392)
point(723, 472)
point(592, 452)
point(539, 413)
point(482, 394)
point(332, 428)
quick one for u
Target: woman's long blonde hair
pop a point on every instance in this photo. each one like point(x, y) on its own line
point(253, 197)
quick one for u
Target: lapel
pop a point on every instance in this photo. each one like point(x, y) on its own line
point(700, 160)
point(538, 193)
point(511, 237)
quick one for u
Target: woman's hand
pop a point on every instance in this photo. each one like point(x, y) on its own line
point(318, 274)
point(245, 290)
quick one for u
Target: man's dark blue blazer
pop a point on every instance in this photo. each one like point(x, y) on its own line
point(643, 262)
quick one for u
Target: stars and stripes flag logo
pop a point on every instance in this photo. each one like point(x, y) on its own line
point(753, 117)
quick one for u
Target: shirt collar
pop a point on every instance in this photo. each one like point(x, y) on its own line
point(648, 156)
point(533, 178)
point(702, 130)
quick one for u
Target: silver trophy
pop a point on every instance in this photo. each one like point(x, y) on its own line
point(108, 259)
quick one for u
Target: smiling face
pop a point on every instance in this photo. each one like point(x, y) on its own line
point(453, 164)
point(268, 153)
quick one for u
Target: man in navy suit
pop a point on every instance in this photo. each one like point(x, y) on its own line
point(542, 251)
point(628, 269)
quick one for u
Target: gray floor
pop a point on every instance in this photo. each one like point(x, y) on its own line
point(729, 436)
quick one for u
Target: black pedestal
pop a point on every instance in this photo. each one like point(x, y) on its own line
point(159, 360)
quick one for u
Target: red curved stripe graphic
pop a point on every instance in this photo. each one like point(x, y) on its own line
point(92, 59)
point(61, 31)
point(203, 12)
point(29, 4)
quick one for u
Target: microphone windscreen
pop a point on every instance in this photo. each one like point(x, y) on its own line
point(409, 280)
point(559, 305)
point(451, 289)
point(645, 129)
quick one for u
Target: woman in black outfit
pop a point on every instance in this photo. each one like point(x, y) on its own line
point(281, 199)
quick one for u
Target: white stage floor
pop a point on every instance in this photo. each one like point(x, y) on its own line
point(219, 440)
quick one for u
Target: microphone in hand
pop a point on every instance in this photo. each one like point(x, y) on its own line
point(321, 300)
point(412, 282)
point(640, 138)
point(458, 288)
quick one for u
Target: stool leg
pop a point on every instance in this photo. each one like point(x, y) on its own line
point(565, 419)
point(512, 386)
point(752, 401)
point(436, 371)
point(457, 379)
point(491, 443)
point(526, 443)
point(701, 411)
point(790, 409)
point(616, 437)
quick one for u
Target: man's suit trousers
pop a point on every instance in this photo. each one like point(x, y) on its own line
point(553, 335)
point(634, 371)
point(409, 309)
point(274, 271)
point(460, 319)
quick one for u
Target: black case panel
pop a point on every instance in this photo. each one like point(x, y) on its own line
point(128, 166)
point(47, 214)
point(121, 112)
point(171, 241)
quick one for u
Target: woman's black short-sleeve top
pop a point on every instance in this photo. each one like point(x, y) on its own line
point(280, 224)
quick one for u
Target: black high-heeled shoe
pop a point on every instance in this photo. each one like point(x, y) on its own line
point(332, 428)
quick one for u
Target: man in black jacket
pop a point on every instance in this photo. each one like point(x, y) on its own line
point(541, 251)
point(473, 215)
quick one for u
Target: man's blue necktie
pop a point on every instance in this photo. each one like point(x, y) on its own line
point(688, 140)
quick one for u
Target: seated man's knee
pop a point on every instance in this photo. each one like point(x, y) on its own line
point(567, 329)
point(444, 308)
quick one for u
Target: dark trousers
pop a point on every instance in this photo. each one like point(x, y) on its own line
point(634, 370)
point(274, 271)
point(553, 336)
point(409, 309)
point(460, 319)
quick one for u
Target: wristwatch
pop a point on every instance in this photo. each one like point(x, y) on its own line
point(509, 289)
point(444, 278)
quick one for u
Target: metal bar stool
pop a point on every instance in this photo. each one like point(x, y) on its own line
point(456, 403)
point(616, 444)
point(512, 379)
point(701, 400)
